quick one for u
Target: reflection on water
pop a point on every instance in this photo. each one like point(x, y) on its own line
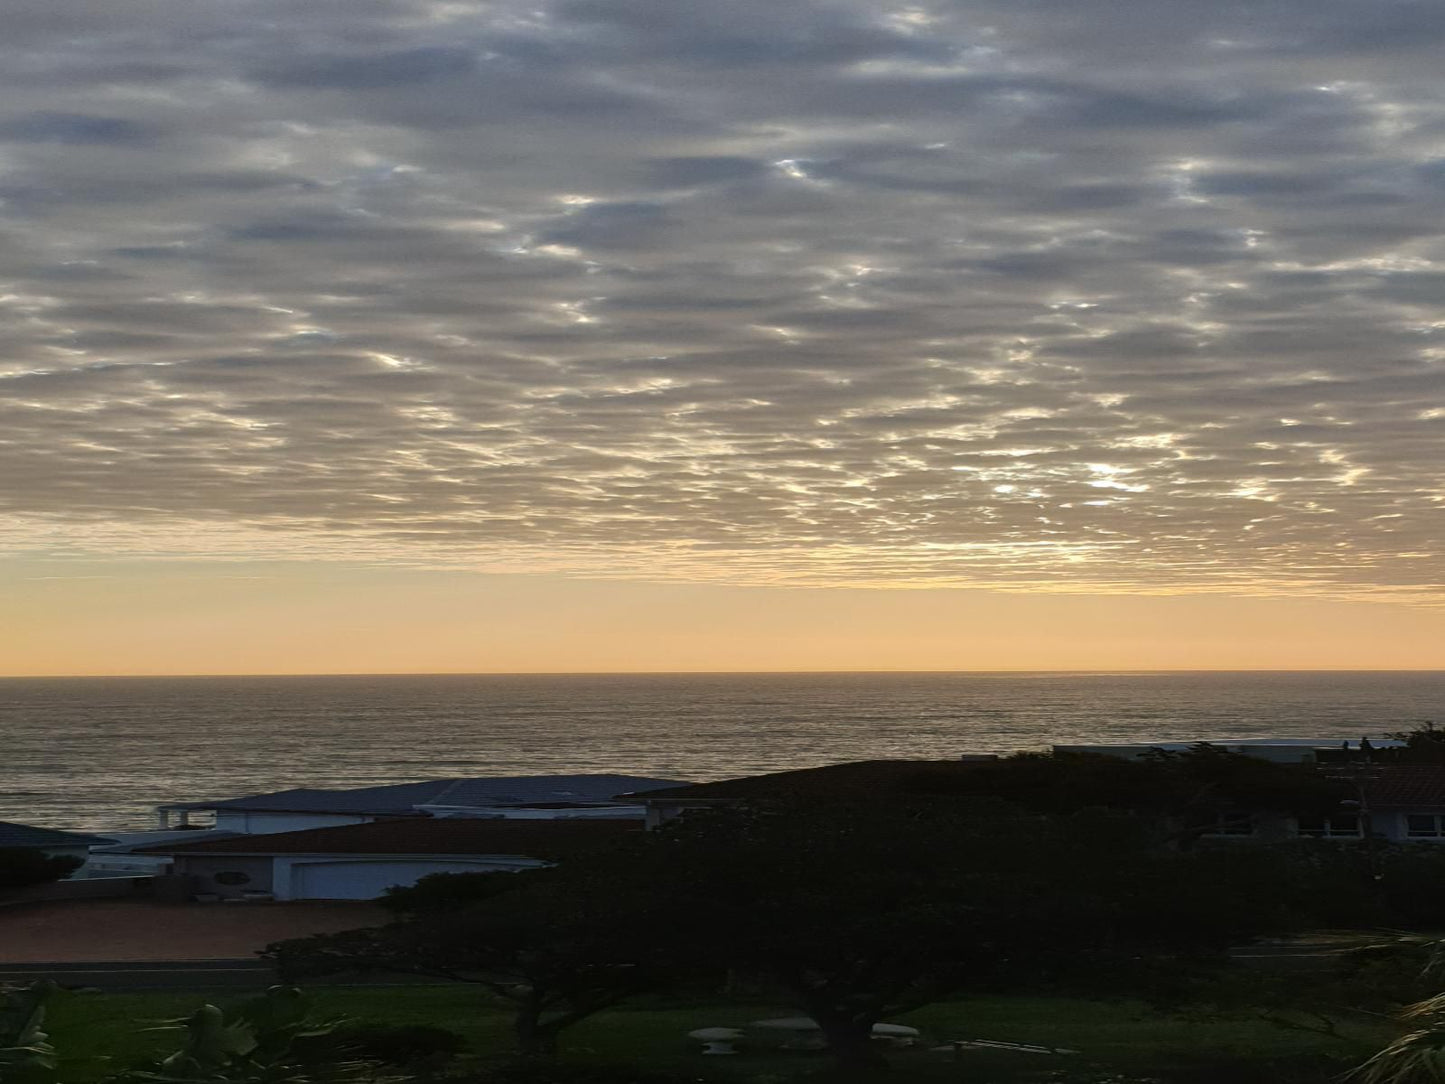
point(100, 752)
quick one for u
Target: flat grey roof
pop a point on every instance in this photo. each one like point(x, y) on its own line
point(402, 799)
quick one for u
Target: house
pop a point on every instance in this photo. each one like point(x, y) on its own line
point(526, 797)
point(1387, 799)
point(1397, 803)
point(51, 841)
point(360, 861)
point(128, 853)
point(303, 808)
point(1403, 803)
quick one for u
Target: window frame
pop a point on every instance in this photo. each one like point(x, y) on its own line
point(1437, 830)
point(1329, 829)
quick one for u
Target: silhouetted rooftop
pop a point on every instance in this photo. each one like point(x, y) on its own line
point(28, 835)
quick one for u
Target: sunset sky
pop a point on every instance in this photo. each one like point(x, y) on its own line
point(446, 335)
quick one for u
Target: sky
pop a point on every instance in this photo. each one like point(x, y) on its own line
point(445, 335)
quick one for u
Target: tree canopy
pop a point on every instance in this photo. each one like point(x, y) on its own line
point(851, 913)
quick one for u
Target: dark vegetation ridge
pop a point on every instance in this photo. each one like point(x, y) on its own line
point(860, 893)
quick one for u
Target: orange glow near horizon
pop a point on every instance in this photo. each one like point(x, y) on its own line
point(195, 618)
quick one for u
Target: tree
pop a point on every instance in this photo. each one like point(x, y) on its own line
point(557, 953)
point(1423, 745)
point(860, 913)
point(854, 913)
point(1196, 789)
point(21, 867)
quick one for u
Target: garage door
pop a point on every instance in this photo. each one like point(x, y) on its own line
point(367, 880)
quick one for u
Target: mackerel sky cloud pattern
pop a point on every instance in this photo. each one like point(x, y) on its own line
point(1064, 293)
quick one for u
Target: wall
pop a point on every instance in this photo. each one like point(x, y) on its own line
point(202, 870)
point(259, 824)
point(124, 865)
point(1390, 823)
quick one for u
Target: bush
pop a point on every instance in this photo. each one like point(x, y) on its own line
point(24, 866)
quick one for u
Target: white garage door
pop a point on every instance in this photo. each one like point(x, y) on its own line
point(365, 880)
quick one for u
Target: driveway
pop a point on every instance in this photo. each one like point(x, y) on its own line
point(84, 931)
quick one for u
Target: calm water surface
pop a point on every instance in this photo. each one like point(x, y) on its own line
point(98, 753)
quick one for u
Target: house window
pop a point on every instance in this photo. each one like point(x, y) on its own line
point(1425, 826)
point(1341, 826)
point(232, 877)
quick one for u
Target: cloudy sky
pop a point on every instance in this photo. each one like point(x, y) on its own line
point(579, 307)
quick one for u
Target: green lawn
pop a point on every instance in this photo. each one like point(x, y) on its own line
point(1112, 1038)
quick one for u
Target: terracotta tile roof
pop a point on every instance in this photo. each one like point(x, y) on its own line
point(459, 835)
point(1398, 784)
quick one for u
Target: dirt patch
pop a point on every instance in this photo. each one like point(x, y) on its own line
point(85, 931)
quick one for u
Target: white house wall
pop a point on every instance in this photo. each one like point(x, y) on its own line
point(203, 870)
point(257, 823)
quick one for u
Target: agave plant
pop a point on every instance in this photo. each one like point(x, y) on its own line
point(261, 1042)
point(25, 1051)
point(1418, 1056)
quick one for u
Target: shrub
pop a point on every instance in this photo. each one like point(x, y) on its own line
point(23, 866)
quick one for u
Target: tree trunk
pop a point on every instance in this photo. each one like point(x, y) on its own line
point(850, 1041)
point(535, 1039)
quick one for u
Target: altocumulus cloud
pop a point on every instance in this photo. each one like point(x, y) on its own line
point(1067, 293)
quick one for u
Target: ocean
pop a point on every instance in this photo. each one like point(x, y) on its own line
point(100, 753)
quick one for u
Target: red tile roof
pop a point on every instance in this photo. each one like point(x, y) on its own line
point(1396, 784)
point(451, 835)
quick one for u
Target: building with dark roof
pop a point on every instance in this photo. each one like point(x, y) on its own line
point(51, 841)
point(1398, 802)
point(524, 796)
point(360, 861)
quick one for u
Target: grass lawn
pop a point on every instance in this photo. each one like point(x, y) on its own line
point(1112, 1037)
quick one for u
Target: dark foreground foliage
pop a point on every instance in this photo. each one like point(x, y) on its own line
point(21, 867)
point(853, 914)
